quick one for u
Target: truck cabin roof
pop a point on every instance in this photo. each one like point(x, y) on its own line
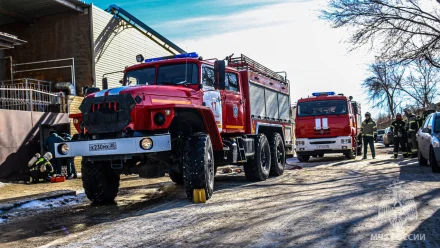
point(315, 98)
point(174, 61)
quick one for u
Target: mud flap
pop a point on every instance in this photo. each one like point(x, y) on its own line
point(199, 196)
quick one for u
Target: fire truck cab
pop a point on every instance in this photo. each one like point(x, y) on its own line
point(327, 123)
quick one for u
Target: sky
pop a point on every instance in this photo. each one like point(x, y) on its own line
point(282, 35)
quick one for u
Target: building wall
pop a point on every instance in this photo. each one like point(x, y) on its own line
point(19, 138)
point(57, 36)
point(116, 46)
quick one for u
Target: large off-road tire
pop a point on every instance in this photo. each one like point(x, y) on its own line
point(100, 181)
point(176, 177)
point(422, 160)
point(277, 154)
point(198, 165)
point(433, 162)
point(304, 158)
point(258, 168)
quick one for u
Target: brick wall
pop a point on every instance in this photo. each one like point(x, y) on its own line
point(58, 36)
point(74, 103)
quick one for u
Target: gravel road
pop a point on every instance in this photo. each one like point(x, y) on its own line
point(331, 202)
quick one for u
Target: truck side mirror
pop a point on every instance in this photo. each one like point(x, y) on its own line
point(104, 83)
point(220, 74)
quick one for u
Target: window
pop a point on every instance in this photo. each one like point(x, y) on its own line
point(428, 119)
point(430, 122)
point(380, 131)
point(141, 76)
point(177, 74)
point(232, 82)
point(330, 107)
point(208, 77)
point(437, 124)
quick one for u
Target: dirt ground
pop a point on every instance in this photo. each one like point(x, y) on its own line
point(331, 202)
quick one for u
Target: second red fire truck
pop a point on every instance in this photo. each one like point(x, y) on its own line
point(327, 123)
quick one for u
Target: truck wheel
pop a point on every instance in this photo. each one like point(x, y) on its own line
point(100, 182)
point(198, 166)
point(176, 177)
point(350, 155)
point(277, 154)
point(258, 168)
point(304, 158)
point(433, 162)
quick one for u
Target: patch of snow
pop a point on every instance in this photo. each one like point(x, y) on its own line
point(52, 203)
point(3, 184)
point(3, 220)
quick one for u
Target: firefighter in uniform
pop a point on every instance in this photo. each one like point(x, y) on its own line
point(411, 128)
point(369, 132)
point(399, 133)
point(41, 169)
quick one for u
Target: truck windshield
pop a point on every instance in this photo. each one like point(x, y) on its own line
point(178, 74)
point(142, 76)
point(330, 107)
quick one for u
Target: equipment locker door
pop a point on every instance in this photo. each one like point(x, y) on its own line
point(234, 104)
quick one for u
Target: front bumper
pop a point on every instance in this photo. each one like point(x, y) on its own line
point(323, 145)
point(121, 146)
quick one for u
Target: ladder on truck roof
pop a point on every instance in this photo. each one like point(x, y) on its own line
point(244, 62)
point(144, 29)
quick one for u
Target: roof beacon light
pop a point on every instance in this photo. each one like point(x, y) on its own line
point(331, 93)
point(178, 56)
point(187, 55)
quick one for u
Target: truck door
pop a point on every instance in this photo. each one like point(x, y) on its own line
point(234, 104)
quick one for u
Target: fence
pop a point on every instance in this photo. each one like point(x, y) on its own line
point(31, 95)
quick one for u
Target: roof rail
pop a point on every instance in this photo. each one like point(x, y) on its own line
point(143, 28)
point(244, 62)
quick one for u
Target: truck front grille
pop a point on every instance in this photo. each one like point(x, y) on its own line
point(107, 114)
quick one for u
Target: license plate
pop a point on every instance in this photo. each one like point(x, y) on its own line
point(323, 147)
point(103, 147)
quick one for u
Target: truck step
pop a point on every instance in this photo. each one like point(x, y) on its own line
point(116, 165)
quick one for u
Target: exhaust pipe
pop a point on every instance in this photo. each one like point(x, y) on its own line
point(66, 86)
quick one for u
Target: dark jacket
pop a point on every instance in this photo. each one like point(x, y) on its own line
point(412, 124)
point(49, 143)
point(398, 126)
point(369, 128)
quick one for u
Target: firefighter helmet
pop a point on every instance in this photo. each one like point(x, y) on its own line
point(368, 113)
point(48, 156)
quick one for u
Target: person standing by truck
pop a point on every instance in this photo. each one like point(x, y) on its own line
point(369, 133)
point(411, 128)
point(399, 132)
point(49, 145)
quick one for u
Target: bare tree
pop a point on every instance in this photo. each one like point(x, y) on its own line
point(421, 84)
point(401, 30)
point(383, 85)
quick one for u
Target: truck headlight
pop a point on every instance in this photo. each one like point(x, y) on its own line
point(63, 148)
point(345, 141)
point(300, 143)
point(146, 144)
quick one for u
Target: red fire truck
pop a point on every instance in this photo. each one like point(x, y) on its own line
point(327, 123)
point(184, 116)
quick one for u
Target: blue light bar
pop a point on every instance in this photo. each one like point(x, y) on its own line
point(331, 93)
point(178, 56)
point(187, 55)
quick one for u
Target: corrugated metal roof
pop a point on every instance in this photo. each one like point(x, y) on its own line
point(25, 10)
